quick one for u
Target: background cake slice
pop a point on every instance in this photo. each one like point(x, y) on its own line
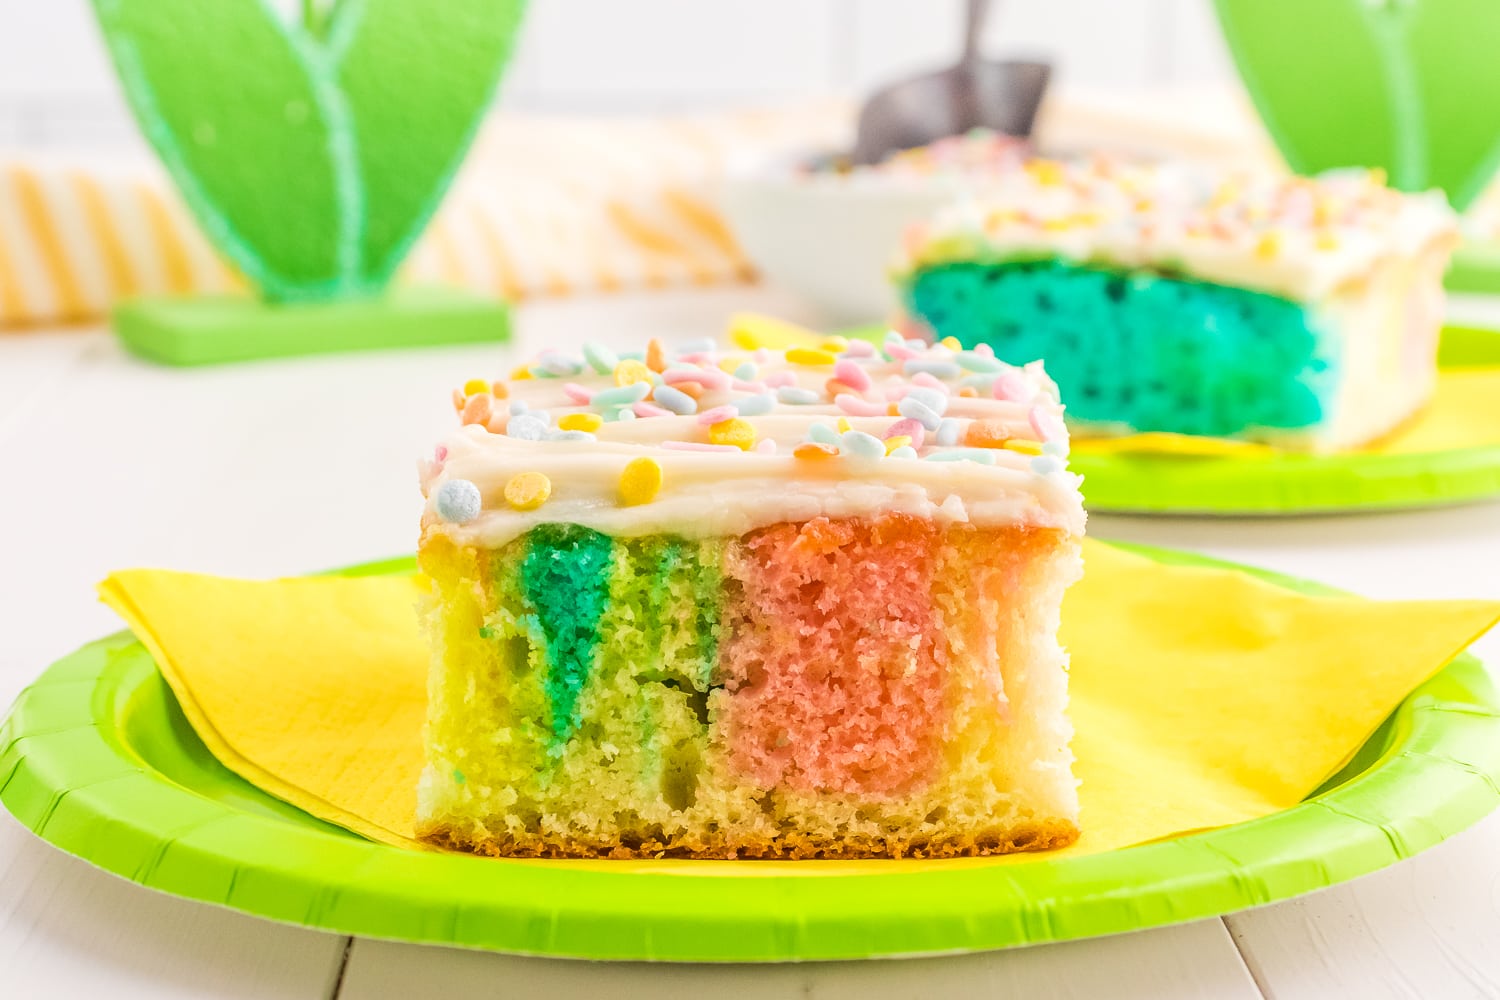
point(1302, 312)
point(752, 605)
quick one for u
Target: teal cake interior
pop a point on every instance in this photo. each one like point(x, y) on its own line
point(1154, 352)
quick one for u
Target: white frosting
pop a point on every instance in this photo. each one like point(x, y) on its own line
point(711, 493)
point(1301, 238)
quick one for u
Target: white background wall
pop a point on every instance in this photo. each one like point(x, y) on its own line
point(57, 88)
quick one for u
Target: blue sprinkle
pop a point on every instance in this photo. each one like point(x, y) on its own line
point(984, 456)
point(920, 412)
point(754, 406)
point(894, 337)
point(559, 364)
point(985, 382)
point(823, 434)
point(632, 355)
point(916, 344)
point(746, 372)
point(621, 395)
point(458, 500)
point(1045, 465)
point(518, 406)
point(1055, 448)
point(675, 400)
point(599, 357)
point(623, 413)
point(939, 369)
point(934, 399)
point(570, 436)
point(862, 445)
point(537, 371)
point(797, 396)
point(905, 451)
point(947, 432)
point(970, 361)
point(526, 427)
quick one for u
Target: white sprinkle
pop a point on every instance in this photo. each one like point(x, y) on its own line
point(947, 432)
point(754, 406)
point(919, 411)
point(797, 396)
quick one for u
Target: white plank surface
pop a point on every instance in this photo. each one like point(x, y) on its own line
point(282, 467)
point(1195, 960)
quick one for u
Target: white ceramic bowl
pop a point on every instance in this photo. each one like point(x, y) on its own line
point(829, 238)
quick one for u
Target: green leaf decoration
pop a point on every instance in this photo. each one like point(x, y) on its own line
point(1400, 84)
point(312, 154)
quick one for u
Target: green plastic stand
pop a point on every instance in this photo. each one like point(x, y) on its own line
point(214, 330)
point(1475, 268)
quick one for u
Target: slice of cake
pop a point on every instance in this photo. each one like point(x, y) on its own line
point(1300, 312)
point(751, 605)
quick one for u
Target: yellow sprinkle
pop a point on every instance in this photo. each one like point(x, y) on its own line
point(520, 372)
point(580, 422)
point(751, 330)
point(1327, 241)
point(1024, 447)
point(951, 343)
point(629, 372)
point(899, 441)
point(735, 431)
point(809, 356)
point(834, 343)
point(527, 490)
point(1268, 247)
point(640, 482)
point(844, 425)
point(1048, 173)
point(475, 386)
point(1057, 225)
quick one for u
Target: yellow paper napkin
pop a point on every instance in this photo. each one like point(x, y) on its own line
point(1201, 697)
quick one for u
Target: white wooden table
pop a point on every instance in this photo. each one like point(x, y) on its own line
point(278, 468)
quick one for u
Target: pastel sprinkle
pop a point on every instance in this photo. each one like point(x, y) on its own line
point(478, 410)
point(656, 355)
point(852, 375)
point(860, 349)
point(1011, 386)
point(810, 356)
point(675, 400)
point(1024, 447)
point(932, 398)
point(928, 380)
point(986, 434)
point(734, 431)
point(518, 406)
point(526, 427)
point(709, 378)
point(947, 433)
point(717, 414)
point(629, 371)
point(766, 446)
point(776, 380)
point(795, 396)
point(1045, 465)
point(599, 357)
point(856, 407)
point(557, 364)
point(973, 361)
point(951, 343)
point(910, 429)
point(983, 456)
point(815, 450)
point(458, 501)
point(892, 443)
point(905, 451)
point(640, 481)
point(939, 369)
point(746, 371)
point(645, 409)
point(740, 385)
point(623, 413)
point(475, 386)
point(621, 395)
point(528, 490)
point(823, 434)
point(520, 372)
point(569, 436)
point(1055, 448)
point(919, 411)
point(754, 406)
point(577, 393)
point(581, 422)
point(1046, 424)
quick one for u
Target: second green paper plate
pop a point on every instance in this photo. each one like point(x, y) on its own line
point(97, 759)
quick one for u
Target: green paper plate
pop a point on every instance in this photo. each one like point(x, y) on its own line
point(97, 759)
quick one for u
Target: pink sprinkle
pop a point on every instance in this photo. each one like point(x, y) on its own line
point(860, 349)
point(717, 414)
point(901, 352)
point(856, 407)
point(766, 446)
point(645, 409)
point(778, 379)
point(699, 358)
point(761, 355)
point(697, 446)
point(709, 378)
point(740, 385)
point(440, 454)
point(931, 381)
point(852, 375)
point(577, 393)
point(984, 349)
point(1011, 386)
point(1045, 424)
point(906, 427)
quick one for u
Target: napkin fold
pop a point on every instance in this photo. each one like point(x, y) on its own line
point(1201, 697)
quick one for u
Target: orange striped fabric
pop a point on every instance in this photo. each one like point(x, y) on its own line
point(543, 206)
